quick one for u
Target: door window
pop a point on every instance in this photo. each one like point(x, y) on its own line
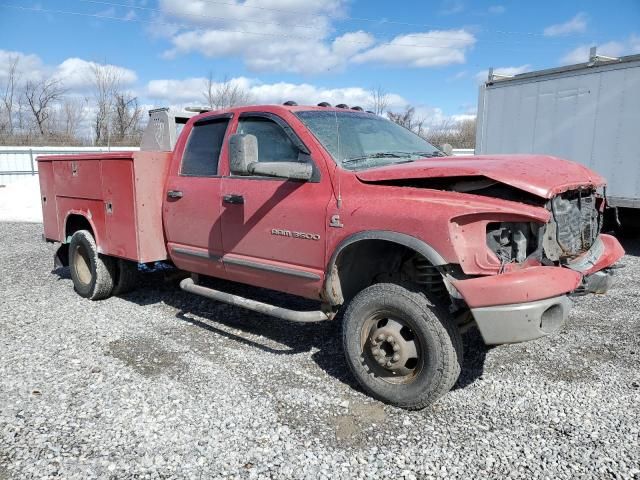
point(203, 148)
point(274, 145)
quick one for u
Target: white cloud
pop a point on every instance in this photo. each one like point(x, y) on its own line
point(349, 44)
point(461, 117)
point(29, 67)
point(190, 92)
point(280, 35)
point(76, 73)
point(482, 75)
point(580, 54)
point(577, 24)
point(297, 36)
point(430, 49)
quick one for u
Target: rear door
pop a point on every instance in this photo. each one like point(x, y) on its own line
point(274, 229)
point(192, 206)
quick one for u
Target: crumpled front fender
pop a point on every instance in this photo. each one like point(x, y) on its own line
point(540, 282)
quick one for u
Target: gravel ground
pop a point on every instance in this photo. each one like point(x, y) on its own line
point(160, 384)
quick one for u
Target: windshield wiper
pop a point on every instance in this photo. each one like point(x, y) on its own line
point(436, 153)
point(349, 160)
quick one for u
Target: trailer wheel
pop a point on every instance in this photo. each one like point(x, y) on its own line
point(126, 277)
point(400, 346)
point(92, 273)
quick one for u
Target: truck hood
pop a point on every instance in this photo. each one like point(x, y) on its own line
point(541, 175)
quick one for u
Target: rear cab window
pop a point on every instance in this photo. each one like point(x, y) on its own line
point(202, 152)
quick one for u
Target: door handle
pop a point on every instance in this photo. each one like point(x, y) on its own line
point(233, 199)
point(174, 194)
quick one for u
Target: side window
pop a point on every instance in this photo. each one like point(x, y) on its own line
point(274, 144)
point(203, 148)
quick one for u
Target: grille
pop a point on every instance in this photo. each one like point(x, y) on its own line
point(577, 221)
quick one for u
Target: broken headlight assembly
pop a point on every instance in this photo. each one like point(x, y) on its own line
point(514, 242)
point(486, 243)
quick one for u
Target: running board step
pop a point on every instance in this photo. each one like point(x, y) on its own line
point(188, 285)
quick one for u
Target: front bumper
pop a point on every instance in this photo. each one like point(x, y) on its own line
point(522, 321)
point(530, 303)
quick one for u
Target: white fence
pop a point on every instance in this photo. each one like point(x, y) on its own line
point(463, 152)
point(16, 162)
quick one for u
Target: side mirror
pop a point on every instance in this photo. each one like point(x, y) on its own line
point(243, 151)
point(243, 160)
point(293, 170)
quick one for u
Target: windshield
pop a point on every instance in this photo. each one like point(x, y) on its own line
point(358, 141)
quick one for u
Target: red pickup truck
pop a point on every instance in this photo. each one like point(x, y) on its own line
point(349, 209)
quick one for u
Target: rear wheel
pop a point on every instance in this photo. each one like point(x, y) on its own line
point(400, 346)
point(92, 273)
point(127, 277)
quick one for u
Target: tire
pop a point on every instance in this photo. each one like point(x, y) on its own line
point(126, 277)
point(92, 273)
point(427, 344)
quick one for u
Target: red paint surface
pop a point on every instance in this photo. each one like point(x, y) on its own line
point(613, 252)
point(541, 175)
point(131, 182)
point(531, 284)
point(145, 225)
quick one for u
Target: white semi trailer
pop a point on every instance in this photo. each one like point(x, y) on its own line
point(588, 113)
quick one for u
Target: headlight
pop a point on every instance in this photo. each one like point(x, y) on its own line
point(513, 241)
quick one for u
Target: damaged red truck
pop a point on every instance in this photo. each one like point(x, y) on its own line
point(353, 211)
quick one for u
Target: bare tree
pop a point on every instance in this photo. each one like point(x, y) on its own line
point(460, 134)
point(41, 97)
point(126, 117)
point(408, 119)
point(73, 112)
point(8, 93)
point(467, 133)
point(106, 82)
point(225, 94)
point(379, 100)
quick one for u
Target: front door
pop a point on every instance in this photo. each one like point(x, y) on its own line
point(192, 206)
point(274, 229)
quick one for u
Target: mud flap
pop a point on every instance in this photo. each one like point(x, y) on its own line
point(61, 257)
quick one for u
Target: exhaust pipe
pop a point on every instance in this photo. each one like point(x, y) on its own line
point(188, 285)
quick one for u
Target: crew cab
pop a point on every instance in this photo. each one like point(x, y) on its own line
point(408, 246)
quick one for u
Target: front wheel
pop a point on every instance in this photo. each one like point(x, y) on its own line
point(401, 347)
point(92, 273)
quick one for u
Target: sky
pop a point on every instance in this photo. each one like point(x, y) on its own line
point(429, 54)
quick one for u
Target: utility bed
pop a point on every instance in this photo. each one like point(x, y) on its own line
point(119, 193)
